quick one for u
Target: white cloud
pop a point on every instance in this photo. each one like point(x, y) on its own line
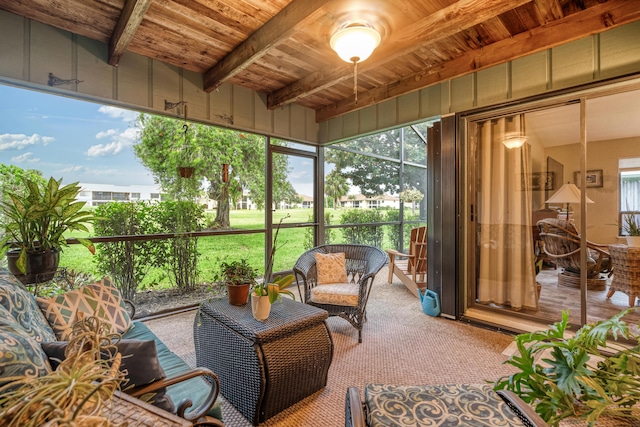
point(106, 133)
point(72, 169)
point(119, 142)
point(25, 158)
point(18, 141)
point(118, 113)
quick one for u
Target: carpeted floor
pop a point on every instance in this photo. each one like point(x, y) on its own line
point(401, 345)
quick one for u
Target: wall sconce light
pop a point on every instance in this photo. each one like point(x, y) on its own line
point(225, 172)
point(355, 43)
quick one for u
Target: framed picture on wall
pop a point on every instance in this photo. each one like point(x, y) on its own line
point(594, 178)
point(537, 181)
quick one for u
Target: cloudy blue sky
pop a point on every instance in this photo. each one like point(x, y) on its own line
point(69, 139)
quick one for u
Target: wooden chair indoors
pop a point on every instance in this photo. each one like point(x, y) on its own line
point(411, 268)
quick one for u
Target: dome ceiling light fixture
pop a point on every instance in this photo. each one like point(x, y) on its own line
point(354, 43)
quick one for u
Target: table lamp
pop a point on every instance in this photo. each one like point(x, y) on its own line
point(568, 193)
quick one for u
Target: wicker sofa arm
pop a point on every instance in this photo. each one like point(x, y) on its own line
point(354, 415)
point(196, 414)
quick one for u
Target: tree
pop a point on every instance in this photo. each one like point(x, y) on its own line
point(164, 145)
point(375, 176)
point(336, 186)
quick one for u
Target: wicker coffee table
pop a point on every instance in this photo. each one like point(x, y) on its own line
point(264, 367)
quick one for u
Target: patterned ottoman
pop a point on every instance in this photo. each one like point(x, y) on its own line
point(432, 405)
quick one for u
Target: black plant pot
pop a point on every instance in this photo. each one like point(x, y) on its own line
point(41, 266)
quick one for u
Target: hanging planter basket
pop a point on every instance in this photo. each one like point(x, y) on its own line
point(186, 171)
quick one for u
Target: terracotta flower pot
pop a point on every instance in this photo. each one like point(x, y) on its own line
point(186, 171)
point(238, 294)
point(260, 307)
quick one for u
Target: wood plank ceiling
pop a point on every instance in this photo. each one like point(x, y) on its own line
point(281, 47)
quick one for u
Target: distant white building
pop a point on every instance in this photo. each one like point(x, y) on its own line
point(99, 194)
point(364, 202)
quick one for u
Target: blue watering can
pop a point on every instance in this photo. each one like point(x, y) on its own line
point(430, 302)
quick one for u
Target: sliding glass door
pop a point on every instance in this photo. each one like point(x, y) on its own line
point(539, 234)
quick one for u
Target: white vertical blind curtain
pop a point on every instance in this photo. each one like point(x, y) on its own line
point(506, 257)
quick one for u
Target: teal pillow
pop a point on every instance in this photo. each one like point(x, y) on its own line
point(21, 356)
point(24, 309)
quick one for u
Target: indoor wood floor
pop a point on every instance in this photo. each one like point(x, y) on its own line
point(554, 298)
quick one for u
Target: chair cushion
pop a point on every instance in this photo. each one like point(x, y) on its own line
point(20, 354)
point(140, 364)
point(331, 268)
point(21, 305)
point(345, 294)
point(62, 311)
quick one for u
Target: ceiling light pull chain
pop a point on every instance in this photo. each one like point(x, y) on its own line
point(355, 79)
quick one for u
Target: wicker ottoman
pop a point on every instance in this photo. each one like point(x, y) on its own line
point(264, 367)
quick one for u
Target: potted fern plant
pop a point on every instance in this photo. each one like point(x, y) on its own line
point(34, 224)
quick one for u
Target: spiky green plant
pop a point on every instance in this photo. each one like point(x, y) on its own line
point(75, 393)
point(586, 375)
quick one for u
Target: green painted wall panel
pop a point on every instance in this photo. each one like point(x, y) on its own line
point(243, 105)
point(133, 80)
point(12, 34)
point(298, 122)
point(197, 99)
point(92, 60)
point(572, 64)
point(430, 100)
point(221, 104)
point(264, 119)
point(387, 113)
point(529, 75)
point(462, 93)
point(492, 85)
point(51, 52)
point(409, 107)
point(166, 85)
point(281, 120)
point(618, 56)
point(368, 119)
point(351, 125)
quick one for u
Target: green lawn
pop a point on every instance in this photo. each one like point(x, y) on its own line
point(212, 249)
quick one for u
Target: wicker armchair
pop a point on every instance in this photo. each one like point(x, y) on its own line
point(562, 244)
point(362, 264)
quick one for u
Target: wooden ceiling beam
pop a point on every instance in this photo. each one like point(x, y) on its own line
point(437, 26)
point(594, 20)
point(128, 22)
point(273, 32)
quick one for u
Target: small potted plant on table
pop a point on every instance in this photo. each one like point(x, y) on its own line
point(239, 276)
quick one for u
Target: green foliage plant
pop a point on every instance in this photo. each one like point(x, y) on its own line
point(37, 219)
point(585, 375)
point(236, 272)
point(363, 234)
point(127, 262)
point(631, 223)
point(180, 218)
